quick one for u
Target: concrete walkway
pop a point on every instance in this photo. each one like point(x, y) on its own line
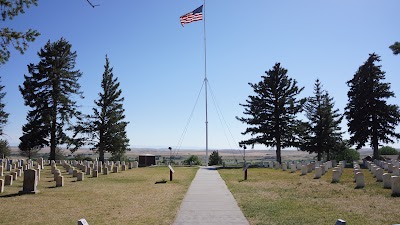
point(208, 201)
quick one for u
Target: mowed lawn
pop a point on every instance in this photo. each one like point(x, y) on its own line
point(127, 197)
point(272, 196)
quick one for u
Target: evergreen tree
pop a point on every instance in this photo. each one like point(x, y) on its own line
point(8, 36)
point(395, 48)
point(370, 117)
point(214, 159)
point(322, 132)
point(5, 150)
point(49, 91)
point(106, 126)
point(3, 114)
point(272, 111)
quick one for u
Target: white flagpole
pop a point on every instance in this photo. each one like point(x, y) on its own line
point(205, 75)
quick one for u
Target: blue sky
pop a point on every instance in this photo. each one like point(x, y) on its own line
point(160, 64)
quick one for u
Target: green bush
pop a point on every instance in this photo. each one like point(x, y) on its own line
point(387, 150)
point(344, 152)
point(214, 159)
point(194, 159)
point(4, 149)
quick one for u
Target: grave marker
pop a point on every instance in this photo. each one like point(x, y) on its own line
point(359, 180)
point(30, 182)
point(245, 168)
point(80, 176)
point(336, 176)
point(171, 171)
point(387, 180)
point(396, 186)
point(318, 172)
point(60, 181)
point(1, 185)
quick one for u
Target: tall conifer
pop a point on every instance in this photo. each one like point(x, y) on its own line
point(49, 90)
point(272, 111)
point(3, 114)
point(370, 118)
point(321, 133)
point(107, 128)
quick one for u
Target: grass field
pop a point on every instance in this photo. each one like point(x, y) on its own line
point(272, 196)
point(127, 197)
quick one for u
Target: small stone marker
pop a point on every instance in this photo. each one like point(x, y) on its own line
point(135, 164)
point(75, 173)
point(99, 169)
point(171, 171)
point(309, 168)
point(360, 183)
point(390, 168)
point(323, 169)
point(292, 168)
point(123, 167)
point(88, 171)
point(57, 173)
point(8, 179)
point(318, 172)
point(30, 182)
point(95, 173)
point(303, 170)
point(82, 222)
point(1, 185)
point(15, 175)
point(284, 167)
point(396, 171)
point(379, 174)
point(1, 171)
point(396, 186)
point(80, 176)
point(336, 176)
point(105, 171)
point(245, 168)
point(387, 180)
point(60, 181)
point(115, 169)
point(340, 222)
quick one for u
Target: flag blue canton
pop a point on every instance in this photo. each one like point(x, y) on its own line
point(195, 15)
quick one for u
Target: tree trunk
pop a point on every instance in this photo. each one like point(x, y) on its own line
point(278, 148)
point(328, 158)
point(374, 139)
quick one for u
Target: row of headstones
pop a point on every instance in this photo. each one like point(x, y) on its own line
point(18, 172)
point(88, 168)
point(321, 168)
point(10, 165)
point(391, 179)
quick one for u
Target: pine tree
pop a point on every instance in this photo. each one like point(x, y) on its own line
point(49, 91)
point(214, 159)
point(321, 133)
point(3, 115)
point(106, 126)
point(19, 40)
point(272, 111)
point(370, 117)
point(395, 48)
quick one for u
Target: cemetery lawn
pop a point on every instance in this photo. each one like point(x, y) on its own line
point(272, 196)
point(127, 197)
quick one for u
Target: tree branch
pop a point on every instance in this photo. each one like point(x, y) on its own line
point(92, 4)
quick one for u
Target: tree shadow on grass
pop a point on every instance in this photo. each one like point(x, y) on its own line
point(10, 195)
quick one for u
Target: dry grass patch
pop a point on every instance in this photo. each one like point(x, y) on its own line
point(127, 197)
point(272, 196)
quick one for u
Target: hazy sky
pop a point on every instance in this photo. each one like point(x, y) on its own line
point(160, 64)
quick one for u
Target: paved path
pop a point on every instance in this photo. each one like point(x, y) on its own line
point(208, 201)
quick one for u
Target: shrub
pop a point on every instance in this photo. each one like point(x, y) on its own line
point(4, 149)
point(387, 150)
point(194, 159)
point(344, 152)
point(214, 159)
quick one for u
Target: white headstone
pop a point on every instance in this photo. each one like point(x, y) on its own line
point(387, 180)
point(360, 183)
point(396, 186)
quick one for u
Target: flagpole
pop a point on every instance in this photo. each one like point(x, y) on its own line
point(205, 75)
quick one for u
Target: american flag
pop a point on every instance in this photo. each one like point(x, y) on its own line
point(195, 15)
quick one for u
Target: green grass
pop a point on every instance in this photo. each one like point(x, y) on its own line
point(128, 197)
point(272, 196)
